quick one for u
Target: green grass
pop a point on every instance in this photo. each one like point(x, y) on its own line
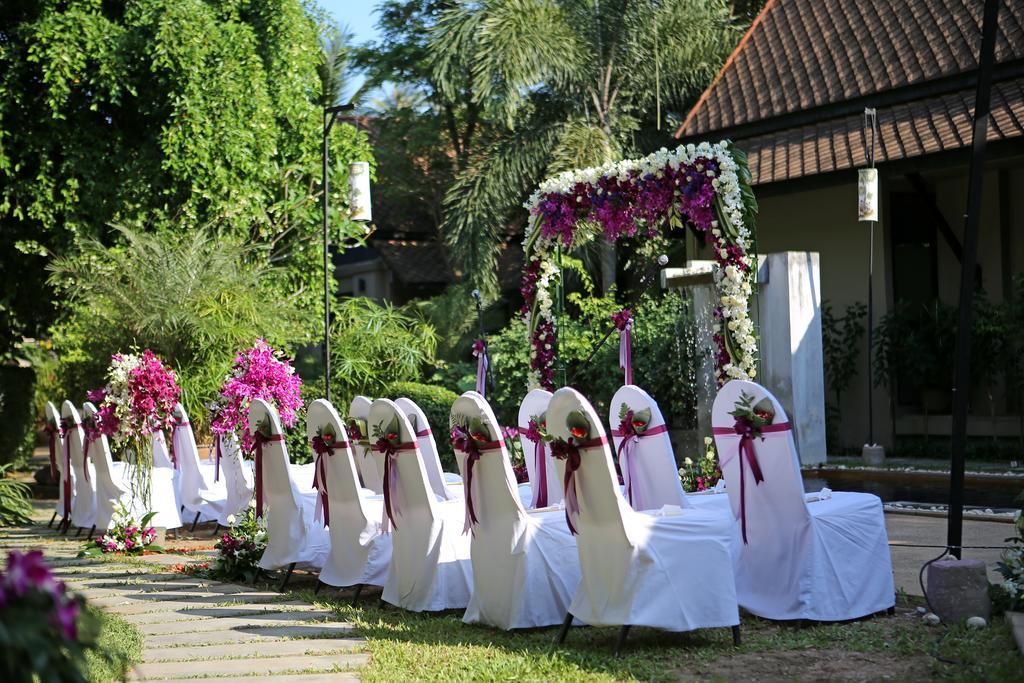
point(118, 649)
point(411, 647)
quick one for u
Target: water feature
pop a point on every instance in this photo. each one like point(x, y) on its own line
point(991, 491)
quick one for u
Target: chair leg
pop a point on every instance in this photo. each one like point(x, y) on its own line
point(287, 575)
point(78, 532)
point(91, 532)
point(891, 610)
point(355, 597)
point(62, 526)
point(194, 522)
point(736, 635)
point(564, 631)
point(216, 530)
point(381, 604)
point(319, 584)
point(622, 640)
point(50, 525)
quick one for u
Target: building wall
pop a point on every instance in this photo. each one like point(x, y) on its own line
point(822, 217)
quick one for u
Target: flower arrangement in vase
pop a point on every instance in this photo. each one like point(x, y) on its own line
point(44, 630)
point(137, 403)
point(258, 372)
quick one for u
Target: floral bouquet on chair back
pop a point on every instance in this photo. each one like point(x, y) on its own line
point(44, 632)
point(258, 372)
point(136, 403)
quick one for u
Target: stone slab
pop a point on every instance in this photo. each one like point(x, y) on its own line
point(326, 630)
point(253, 667)
point(243, 622)
point(254, 649)
point(341, 677)
point(197, 598)
point(195, 613)
point(160, 590)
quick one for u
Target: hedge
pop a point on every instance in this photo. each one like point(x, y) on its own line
point(437, 403)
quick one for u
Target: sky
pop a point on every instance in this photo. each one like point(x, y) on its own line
point(356, 14)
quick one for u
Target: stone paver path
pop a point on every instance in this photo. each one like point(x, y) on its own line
point(194, 628)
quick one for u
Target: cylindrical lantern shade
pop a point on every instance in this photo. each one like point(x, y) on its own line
point(867, 194)
point(359, 191)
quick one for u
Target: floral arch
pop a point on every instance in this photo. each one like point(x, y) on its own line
point(706, 186)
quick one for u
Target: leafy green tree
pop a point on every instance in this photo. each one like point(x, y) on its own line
point(194, 301)
point(163, 115)
point(572, 83)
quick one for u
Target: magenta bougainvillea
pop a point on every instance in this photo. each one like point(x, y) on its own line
point(258, 372)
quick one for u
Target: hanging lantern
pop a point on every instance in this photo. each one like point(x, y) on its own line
point(867, 194)
point(359, 191)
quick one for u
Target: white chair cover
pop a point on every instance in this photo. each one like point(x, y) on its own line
point(647, 462)
point(671, 571)
point(428, 448)
point(111, 489)
point(83, 503)
point(827, 560)
point(535, 405)
point(53, 422)
point(360, 553)
point(430, 565)
point(163, 489)
point(198, 491)
point(525, 566)
point(292, 534)
point(237, 475)
point(366, 464)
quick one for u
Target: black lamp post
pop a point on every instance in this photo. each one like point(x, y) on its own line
point(330, 115)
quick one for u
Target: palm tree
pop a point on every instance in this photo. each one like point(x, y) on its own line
point(572, 82)
point(336, 67)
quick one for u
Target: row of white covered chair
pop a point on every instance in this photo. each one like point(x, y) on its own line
point(92, 485)
point(667, 561)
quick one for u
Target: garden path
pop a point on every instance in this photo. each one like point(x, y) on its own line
point(194, 628)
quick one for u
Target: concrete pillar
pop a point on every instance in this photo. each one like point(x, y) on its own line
point(792, 363)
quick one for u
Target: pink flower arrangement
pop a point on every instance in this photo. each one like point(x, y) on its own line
point(258, 372)
point(28, 586)
point(126, 536)
point(139, 397)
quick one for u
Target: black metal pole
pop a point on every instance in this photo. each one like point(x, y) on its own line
point(872, 114)
point(962, 365)
point(328, 122)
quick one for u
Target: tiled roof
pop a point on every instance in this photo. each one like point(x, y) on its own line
point(803, 54)
point(905, 130)
point(793, 91)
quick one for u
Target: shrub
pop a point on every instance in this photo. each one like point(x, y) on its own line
point(436, 402)
point(18, 435)
point(193, 301)
point(15, 500)
point(374, 345)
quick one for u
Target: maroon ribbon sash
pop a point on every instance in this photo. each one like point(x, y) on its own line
point(473, 450)
point(260, 439)
point(425, 432)
point(174, 431)
point(569, 451)
point(51, 432)
point(540, 467)
point(746, 452)
point(85, 453)
point(391, 507)
point(627, 460)
point(66, 480)
point(321, 448)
